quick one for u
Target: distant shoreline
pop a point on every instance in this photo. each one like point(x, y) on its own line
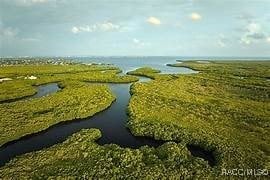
point(218, 58)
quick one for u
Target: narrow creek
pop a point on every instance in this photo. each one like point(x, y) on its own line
point(42, 90)
point(111, 122)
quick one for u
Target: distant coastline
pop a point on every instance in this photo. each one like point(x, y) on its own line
point(152, 56)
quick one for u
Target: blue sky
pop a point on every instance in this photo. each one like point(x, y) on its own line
point(135, 27)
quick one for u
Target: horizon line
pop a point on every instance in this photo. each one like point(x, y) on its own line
point(70, 56)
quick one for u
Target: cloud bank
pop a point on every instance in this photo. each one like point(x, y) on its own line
point(99, 27)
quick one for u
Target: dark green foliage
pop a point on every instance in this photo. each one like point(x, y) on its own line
point(81, 157)
point(213, 109)
point(20, 87)
point(224, 108)
point(77, 99)
point(145, 71)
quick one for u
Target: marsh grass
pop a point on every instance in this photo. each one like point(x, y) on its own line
point(75, 100)
point(211, 109)
point(79, 157)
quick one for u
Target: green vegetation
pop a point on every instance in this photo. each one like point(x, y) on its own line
point(73, 102)
point(79, 157)
point(24, 70)
point(14, 90)
point(251, 69)
point(150, 73)
point(77, 99)
point(224, 108)
point(20, 86)
point(214, 109)
point(145, 71)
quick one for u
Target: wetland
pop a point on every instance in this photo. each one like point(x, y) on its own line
point(77, 120)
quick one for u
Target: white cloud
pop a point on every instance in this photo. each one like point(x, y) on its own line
point(39, 1)
point(31, 2)
point(30, 39)
point(98, 27)
point(195, 16)
point(221, 41)
point(8, 32)
point(253, 27)
point(268, 39)
point(153, 20)
point(140, 43)
point(136, 41)
point(75, 30)
point(253, 32)
point(109, 26)
point(245, 40)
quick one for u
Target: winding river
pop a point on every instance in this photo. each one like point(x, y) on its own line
point(111, 122)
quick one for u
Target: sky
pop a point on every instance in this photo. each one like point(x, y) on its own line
point(135, 28)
